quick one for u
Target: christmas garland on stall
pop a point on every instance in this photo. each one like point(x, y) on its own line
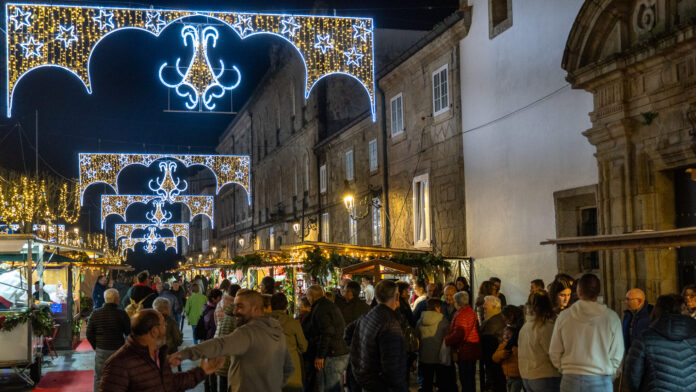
point(248, 261)
point(41, 321)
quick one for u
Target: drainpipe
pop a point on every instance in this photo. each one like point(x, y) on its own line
point(385, 169)
point(252, 237)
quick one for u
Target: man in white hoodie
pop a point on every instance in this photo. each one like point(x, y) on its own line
point(587, 342)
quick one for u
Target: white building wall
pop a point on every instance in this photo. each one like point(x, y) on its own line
point(519, 148)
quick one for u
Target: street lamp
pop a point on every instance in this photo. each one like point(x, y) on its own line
point(241, 242)
point(349, 202)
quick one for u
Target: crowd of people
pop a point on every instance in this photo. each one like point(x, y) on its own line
point(390, 336)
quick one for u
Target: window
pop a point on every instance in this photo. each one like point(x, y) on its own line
point(295, 188)
point(440, 91)
point(421, 211)
point(271, 239)
point(349, 165)
point(373, 155)
point(376, 222)
point(325, 227)
point(499, 16)
point(353, 229)
point(397, 115)
point(322, 178)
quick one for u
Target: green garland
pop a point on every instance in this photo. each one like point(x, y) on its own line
point(248, 261)
point(41, 321)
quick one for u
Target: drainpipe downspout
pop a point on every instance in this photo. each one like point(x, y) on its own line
point(385, 168)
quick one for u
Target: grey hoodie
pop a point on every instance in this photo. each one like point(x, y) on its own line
point(260, 359)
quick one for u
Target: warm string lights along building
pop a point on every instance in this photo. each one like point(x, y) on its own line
point(44, 35)
point(166, 191)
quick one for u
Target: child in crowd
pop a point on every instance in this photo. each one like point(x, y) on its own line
point(506, 356)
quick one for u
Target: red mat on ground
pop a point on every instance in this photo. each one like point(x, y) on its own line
point(84, 346)
point(74, 381)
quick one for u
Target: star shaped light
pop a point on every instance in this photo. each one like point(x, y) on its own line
point(155, 22)
point(289, 26)
point(353, 57)
point(32, 48)
point(225, 168)
point(66, 35)
point(106, 166)
point(209, 161)
point(21, 18)
point(105, 19)
point(361, 31)
point(324, 43)
point(243, 25)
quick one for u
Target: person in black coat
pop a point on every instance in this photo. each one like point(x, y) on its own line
point(664, 357)
point(141, 291)
point(351, 306)
point(637, 318)
point(325, 337)
point(377, 352)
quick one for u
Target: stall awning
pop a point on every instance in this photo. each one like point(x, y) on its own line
point(378, 267)
point(658, 239)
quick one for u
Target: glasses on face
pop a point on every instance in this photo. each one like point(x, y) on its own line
point(631, 299)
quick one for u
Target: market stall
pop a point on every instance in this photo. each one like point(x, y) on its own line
point(378, 269)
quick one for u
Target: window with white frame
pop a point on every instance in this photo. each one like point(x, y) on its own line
point(376, 222)
point(440, 91)
point(325, 228)
point(349, 165)
point(322, 178)
point(421, 211)
point(397, 115)
point(373, 155)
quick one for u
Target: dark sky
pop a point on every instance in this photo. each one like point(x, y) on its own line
point(125, 112)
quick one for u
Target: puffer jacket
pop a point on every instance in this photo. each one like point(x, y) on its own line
point(140, 292)
point(463, 334)
point(378, 353)
point(664, 357)
point(325, 330)
point(353, 309)
point(132, 369)
point(107, 328)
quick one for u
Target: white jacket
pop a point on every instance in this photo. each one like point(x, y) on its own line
point(533, 350)
point(587, 339)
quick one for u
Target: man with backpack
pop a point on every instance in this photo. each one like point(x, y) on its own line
point(141, 292)
point(194, 308)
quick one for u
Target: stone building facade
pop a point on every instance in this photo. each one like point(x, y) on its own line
point(638, 59)
point(308, 154)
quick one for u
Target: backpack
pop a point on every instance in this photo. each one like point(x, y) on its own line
point(135, 307)
point(201, 332)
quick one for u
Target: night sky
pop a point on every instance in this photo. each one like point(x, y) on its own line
point(125, 112)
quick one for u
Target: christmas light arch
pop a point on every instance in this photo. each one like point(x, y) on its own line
point(105, 168)
point(119, 204)
point(45, 35)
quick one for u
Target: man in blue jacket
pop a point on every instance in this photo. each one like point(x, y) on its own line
point(637, 316)
point(98, 292)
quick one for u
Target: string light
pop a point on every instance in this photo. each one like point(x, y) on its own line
point(91, 24)
point(126, 230)
point(27, 200)
point(118, 204)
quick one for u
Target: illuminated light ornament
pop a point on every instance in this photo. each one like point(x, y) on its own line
point(105, 19)
point(361, 31)
point(167, 186)
point(21, 18)
point(45, 20)
point(353, 57)
point(155, 22)
point(150, 243)
point(66, 35)
point(128, 230)
point(289, 26)
point(158, 217)
point(324, 43)
point(200, 83)
point(243, 26)
point(32, 47)
point(118, 204)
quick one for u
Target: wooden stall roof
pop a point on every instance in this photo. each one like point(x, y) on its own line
point(377, 267)
point(658, 239)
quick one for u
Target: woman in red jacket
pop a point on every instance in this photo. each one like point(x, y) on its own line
point(463, 338)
